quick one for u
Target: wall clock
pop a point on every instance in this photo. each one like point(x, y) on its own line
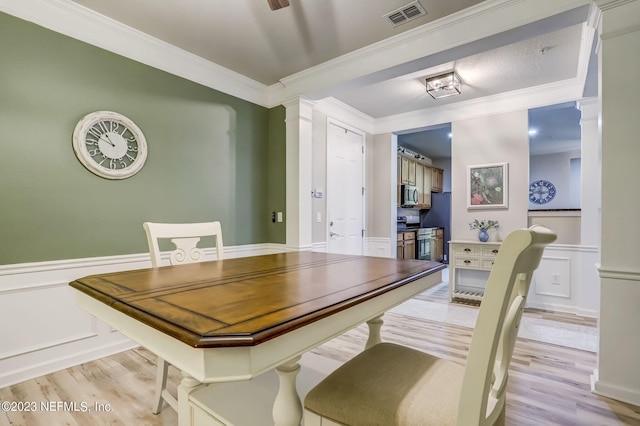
point(109, 145)
point(541, 192)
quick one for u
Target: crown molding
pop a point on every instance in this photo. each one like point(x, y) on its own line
point(622, 17)
point(78, 22)
point(610, 4)
point(531, 97)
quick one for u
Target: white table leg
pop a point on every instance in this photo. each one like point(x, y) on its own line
point(375, 324)
point(287, 408)
point(187, 385)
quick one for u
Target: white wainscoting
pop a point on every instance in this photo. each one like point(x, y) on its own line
point(43, 331)
point(567, 280)
point(373, 246)
point(378, 246)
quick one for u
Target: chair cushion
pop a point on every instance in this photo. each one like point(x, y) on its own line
point(388, 385)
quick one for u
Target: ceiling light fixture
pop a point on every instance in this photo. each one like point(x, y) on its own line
point(443, 85)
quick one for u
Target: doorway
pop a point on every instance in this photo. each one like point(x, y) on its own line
point(345, 190)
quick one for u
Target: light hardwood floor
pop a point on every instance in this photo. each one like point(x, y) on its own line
point(548, 385)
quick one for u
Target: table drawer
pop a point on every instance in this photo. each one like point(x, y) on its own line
point(487, 263)
point(468, 262)
point(467, 250)
point(489, 251)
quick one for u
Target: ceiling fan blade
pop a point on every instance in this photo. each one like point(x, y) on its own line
point(277, 4)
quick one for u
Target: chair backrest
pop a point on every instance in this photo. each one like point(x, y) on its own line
point(185, 237)
point(486, 372)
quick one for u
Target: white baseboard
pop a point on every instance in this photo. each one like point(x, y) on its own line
point(48, 332)
point(319, 247)
point(559, 307)
point(630, 396)
point(42, 367)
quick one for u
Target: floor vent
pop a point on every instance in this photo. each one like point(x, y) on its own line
point(405, 14)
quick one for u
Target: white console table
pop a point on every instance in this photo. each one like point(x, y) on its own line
point(469, 265)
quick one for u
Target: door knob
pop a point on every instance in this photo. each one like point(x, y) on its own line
point(333, 234)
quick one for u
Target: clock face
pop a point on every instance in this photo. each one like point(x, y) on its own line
point(541, 192)
point(109, 145)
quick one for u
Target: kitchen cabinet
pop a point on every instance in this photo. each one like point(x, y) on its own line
point(407, 171)
point(406, 245)
point(411, 172)
point(420, 184)
point(437, 177)
point(469, 266)
point(437, 245)
point(425, 193)
point(399, 182)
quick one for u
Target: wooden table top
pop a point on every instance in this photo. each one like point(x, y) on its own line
point(246, 301)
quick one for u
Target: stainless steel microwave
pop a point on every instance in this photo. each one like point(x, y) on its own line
point(409, 195)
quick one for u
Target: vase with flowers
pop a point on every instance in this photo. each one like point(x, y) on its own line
point(483, 226)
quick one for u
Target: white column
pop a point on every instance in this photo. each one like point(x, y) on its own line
point(591, 159)
point(587, 293)
point(299, 161)
point(382, 191)
point(617, 375)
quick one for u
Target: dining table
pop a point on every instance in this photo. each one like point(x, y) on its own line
point(233, 320)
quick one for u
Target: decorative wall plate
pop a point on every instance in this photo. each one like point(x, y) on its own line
point(541, 192)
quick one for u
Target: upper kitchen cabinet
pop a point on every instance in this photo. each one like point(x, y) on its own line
point(407, 171)
point(437, 177)
point(423, 182)
point(412, 171)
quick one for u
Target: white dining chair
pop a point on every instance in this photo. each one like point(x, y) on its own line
point(390, 384)
point(185, 237)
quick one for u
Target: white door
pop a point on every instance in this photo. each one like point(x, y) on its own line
point(345, 193)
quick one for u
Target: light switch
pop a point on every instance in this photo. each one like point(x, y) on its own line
point(318, 217)
point(279, 216)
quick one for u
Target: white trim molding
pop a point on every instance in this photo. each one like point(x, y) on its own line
point(618, 274)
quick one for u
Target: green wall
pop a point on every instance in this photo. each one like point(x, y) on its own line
point(211, 156)
point(277, 195)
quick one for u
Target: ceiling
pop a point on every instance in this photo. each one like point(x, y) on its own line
point(246, 36)
point(272, 47)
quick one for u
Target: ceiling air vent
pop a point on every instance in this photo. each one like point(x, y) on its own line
point(405, 14)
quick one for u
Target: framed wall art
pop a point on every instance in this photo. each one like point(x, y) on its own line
point(487, 186)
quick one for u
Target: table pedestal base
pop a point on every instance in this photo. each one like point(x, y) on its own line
point(287, 408)
point(251, 402)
